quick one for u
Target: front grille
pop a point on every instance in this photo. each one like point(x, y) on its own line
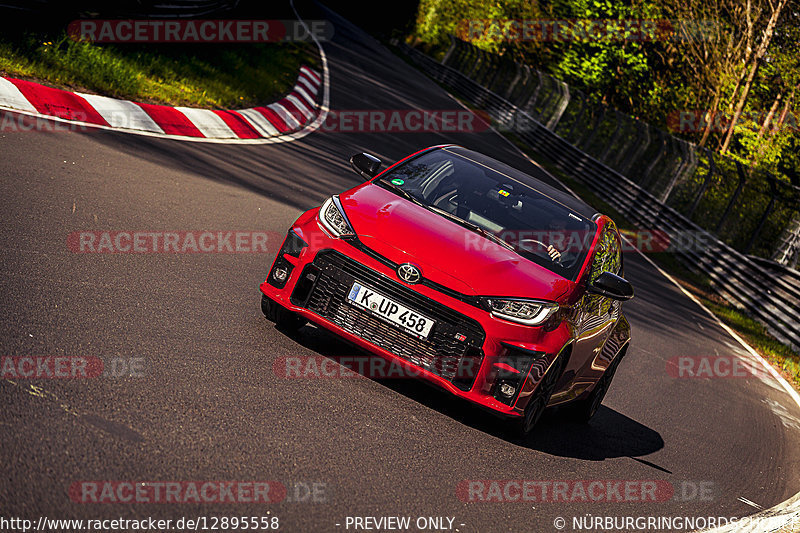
point(441, 353)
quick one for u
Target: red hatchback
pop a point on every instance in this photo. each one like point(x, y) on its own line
point(481, 279)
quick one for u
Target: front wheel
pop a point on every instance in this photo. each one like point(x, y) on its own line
point(585, 409)
point(539, 400)
point(283, 318)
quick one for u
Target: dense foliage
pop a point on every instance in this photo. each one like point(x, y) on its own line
point(733, 65)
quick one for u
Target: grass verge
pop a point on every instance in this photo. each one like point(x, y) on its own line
point(196, 75)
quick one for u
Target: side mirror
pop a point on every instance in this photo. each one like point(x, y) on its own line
point(366, 165)
point(612, 286)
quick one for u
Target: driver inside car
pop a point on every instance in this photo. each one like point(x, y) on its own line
point(510, 200)
point(556, 232)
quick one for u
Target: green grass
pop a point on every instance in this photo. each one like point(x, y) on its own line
point(198, 75)
point(780, 355)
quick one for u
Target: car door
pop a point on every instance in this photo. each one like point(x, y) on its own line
point(596, 316)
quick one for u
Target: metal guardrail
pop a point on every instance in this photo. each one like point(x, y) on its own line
point(745, 207)
point(773, 300)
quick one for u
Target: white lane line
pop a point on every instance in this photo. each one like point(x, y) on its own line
point(122, 113)
point(12, 97)
point(259, 122)
point(751, 504)
point(285, 115)
point(786, 418)
point(208, 122)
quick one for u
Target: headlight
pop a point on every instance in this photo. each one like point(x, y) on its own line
point(333, 218)
point(528, 312)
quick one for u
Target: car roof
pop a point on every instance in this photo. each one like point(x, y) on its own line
point(579, 207)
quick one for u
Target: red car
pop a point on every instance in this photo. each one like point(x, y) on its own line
point(493, 285)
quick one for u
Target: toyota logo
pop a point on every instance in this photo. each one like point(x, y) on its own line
point(409, 273)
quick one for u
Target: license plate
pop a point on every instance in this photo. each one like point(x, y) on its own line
point(390, 311)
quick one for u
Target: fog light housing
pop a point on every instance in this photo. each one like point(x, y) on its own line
point(511, 371)
point(280, 274)
point(508, 390)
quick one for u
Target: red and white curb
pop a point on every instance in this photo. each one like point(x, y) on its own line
point(269, 123)
point(296, 115)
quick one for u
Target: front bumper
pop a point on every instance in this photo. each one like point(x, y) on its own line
point(469, 353)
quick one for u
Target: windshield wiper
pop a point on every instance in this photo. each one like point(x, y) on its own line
point(402, 192)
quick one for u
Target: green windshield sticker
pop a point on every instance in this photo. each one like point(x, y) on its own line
point(398, 181)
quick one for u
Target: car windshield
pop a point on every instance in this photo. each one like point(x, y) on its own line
point(497, 207)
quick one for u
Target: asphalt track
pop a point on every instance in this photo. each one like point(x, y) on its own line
point(210, 406)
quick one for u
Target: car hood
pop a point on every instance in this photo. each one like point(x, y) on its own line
point(445, 252)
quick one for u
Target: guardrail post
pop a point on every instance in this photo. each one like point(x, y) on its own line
point(469, 59)
point(685, 161)
point(523, 86)
point(531, 102)
point(563, 102)
point(734, 197)
point(505, 74)
point(510, 89)
point(484, 66)
point(450, 50)
point(551, 92)
point(473, 68)
point(672, 166)
point(693, 161)
point(458, 55)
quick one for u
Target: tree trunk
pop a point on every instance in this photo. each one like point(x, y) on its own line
point(737, 113)
point(787, 105)
point(711, 115)
point(762, 49)
point(764, 125)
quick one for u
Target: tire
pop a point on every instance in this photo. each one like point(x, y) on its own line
point(524, 425)
point(284, 319)
point(584, 410)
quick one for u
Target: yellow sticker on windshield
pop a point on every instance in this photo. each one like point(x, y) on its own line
point(501, 192)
